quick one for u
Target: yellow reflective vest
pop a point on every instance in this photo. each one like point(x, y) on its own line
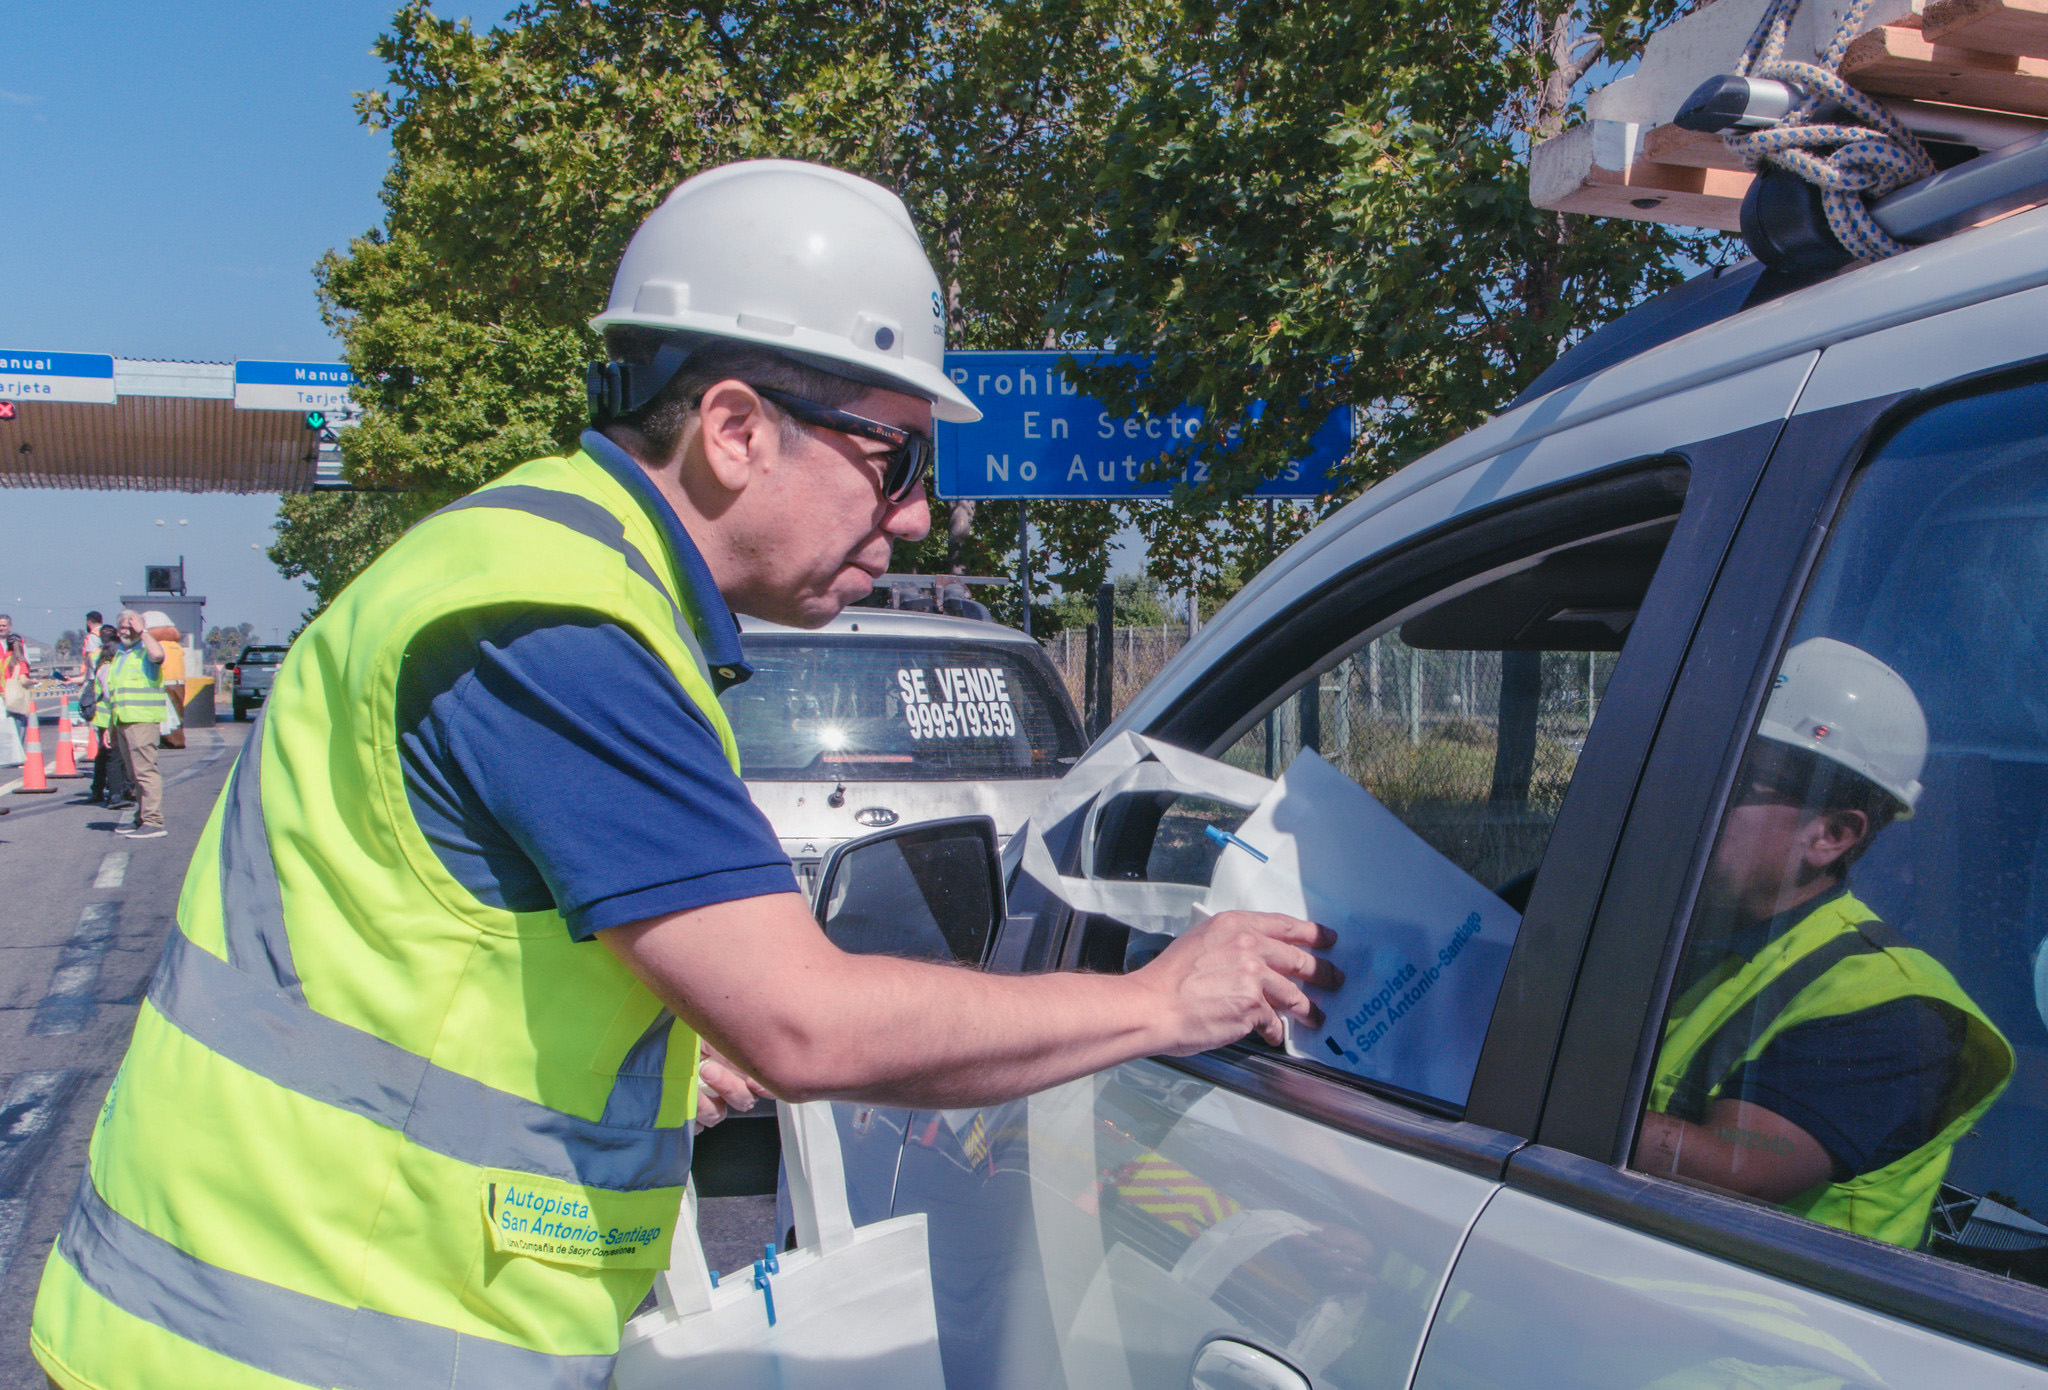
point(1838, 959)
point(372, 1131)
point(135, 687)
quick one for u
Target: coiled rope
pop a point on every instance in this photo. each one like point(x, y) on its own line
point(1849, 163)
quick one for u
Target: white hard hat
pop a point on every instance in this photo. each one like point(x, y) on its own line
point(815, 262)
point(1843, 704)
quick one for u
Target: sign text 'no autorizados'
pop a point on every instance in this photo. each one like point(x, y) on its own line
point(1039, 437)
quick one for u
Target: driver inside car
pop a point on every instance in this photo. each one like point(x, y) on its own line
point(1812, 1057)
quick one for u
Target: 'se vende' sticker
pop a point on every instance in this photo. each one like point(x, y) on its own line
point(957, 702)
point(567, 1224)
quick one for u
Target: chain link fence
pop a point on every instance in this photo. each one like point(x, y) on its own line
point(1473, 750)
point(1138, 654)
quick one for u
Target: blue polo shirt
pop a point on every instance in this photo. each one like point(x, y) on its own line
point(553, 761)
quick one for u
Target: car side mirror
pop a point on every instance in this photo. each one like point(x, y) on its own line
point(930, 891)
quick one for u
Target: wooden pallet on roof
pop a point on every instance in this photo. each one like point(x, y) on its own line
point(2017, 27)
point(1590, 169)
point(1628, 160)
point(1900, 61)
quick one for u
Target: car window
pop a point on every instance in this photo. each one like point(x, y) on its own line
point(1855, 1032)
point(261, 656)
point(1464, 713)
point(876, 709)
point(1472, 748)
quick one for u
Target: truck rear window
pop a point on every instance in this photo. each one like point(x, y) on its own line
point(865, 709)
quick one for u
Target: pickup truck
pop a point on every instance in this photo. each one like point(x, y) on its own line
point(250, 675)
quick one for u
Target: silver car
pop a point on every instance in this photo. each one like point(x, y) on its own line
point(885, 717)
point(1550, 649)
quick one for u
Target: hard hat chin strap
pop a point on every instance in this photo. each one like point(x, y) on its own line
point(618, 390)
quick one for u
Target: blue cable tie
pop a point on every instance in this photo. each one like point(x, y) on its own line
point(1224, 837)
point(714, 1278)
point(768, 1258)
point(761, 1283)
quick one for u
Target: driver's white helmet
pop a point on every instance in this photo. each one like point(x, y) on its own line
point(817, 263)
point(1843, 704)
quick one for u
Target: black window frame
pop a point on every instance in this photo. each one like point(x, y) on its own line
point(1601, 1073)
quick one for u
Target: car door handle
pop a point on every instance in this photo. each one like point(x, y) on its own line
point(1227, 1365)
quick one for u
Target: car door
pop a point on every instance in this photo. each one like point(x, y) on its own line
point(1486, 646)
point(1904, 515)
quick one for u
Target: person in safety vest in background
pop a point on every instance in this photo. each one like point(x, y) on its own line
point(1812, 1057)
point(135, 704)
point(485, 872)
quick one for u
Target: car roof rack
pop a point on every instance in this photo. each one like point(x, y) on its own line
point(1967, 78)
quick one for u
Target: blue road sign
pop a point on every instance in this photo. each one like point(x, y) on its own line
point(320, 386)
point(1040, 438)
point(57, 376)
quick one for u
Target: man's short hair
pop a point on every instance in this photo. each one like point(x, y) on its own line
point(128, 613)
point(92, 617)
point(712, 360)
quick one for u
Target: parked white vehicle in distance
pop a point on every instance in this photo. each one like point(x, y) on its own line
point(884, 717)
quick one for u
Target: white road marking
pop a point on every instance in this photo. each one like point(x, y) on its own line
point(113, 869)
point(74, 979)
point(69, 1003)
point(32, 1102)
point(13, 1212)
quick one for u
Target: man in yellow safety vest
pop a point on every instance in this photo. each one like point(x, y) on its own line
point(410, 1100)
point(135, 691)
point(1812, 1056)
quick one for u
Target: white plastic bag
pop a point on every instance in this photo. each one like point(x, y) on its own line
point(850, 1309)
point(1422, 944)
point(12, 754)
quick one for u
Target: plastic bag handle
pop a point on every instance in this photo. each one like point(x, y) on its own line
point(685, 1286)
point(817, 1174)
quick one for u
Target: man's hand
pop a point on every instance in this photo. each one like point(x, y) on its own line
point(1237, 973)
point(723, 1088)
point(826, 1025)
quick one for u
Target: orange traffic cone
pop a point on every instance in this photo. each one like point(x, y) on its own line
point(33, 782)
point(67, 756)
point(92, 744)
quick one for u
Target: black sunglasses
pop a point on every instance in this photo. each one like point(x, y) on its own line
point(910, 453)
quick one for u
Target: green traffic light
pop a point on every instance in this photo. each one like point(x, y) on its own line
point(315, 420)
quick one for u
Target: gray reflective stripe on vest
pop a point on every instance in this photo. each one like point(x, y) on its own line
point(250, 899)
point(251, 1009)
point(636, 1093)
point(1719, 1053)
point(291, 1334)
point(587, 519)
point(285, 1041)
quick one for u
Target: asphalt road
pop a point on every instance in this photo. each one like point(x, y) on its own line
point(84, 919)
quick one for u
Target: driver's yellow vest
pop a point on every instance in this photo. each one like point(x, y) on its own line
point(1838, 959)
point(371, 1131)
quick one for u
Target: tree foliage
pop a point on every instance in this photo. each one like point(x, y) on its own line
point(224, 644)
point(525, 157)
point(1322, 205)
point(1313, 205)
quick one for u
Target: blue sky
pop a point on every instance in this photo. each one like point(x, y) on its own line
point(169, 174)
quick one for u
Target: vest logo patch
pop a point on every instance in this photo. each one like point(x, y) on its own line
point(562, 1223)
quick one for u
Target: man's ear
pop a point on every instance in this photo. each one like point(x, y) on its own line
point(1832, 834)
point(735, 433)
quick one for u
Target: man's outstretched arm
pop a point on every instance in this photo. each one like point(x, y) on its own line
point(762, 983)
